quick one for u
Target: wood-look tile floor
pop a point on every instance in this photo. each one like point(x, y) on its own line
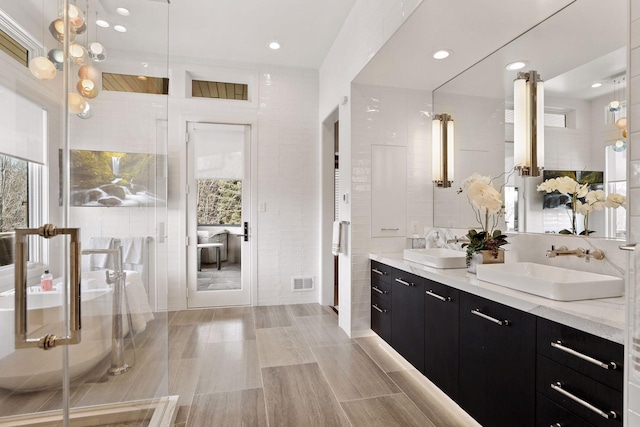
point(264, 366)
point(293, 366)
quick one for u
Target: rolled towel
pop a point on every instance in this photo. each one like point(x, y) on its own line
point(336, 240)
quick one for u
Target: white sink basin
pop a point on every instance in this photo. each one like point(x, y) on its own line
point(561, 284)
point(437, 257)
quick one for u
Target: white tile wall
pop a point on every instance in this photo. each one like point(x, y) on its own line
point(367, 27)
point(390, 116)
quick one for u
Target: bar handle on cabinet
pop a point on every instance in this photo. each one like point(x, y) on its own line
point(48, 341)
point(607, 415)
point(378, 290)
point(405, 283)
point(558, 345)
point(375, 270)
point(478, 313)
point(375, 306)
point(436, 296)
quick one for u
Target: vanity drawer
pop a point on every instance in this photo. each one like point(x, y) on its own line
point(550, 414)
point(579, 394)
point(381, 289)
point(381, 318)
point(404, 279)
point(381, 273)
point(595, 357)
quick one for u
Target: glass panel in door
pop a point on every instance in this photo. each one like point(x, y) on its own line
point(218, 211)
point(101, 170)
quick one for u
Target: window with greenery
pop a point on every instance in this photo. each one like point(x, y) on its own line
point(14, 187)
point(219, 202)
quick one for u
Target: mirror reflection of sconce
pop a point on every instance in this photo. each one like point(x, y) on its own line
point(443, 143)
point(528, 99)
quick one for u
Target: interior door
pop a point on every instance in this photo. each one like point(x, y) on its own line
point(218, 206)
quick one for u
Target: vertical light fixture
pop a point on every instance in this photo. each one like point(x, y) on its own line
point(528, 127)
point(443, 143)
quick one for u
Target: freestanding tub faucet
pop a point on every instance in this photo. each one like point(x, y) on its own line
point(118, 280)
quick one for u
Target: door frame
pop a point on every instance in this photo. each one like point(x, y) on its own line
point(183, 129)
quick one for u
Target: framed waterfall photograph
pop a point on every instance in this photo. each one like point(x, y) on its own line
point(110, 179)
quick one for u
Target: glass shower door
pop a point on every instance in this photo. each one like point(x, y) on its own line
point(103, 171)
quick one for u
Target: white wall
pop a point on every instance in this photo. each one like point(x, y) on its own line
point(367, 27)
point(385, 116)
point(284, 114)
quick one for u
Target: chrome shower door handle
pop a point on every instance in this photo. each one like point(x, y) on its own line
point(48, 341)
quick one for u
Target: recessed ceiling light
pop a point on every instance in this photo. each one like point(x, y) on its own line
point(595, 85)
point(274, 45)
point(102, 23)
point(143, 78)
point(517, 65)
point(122, 11)
point(120, 28)
point(442, 54)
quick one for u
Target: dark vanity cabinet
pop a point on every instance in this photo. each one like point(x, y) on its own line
point(441, 344)
point(407, 323)
point(381, 300)
point(504, 366)
point(497, 363)
point(580, 374)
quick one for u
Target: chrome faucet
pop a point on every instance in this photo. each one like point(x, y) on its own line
point(456, 239)
point(579, 252)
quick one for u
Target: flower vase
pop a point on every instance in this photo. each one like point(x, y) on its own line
point(484, 257)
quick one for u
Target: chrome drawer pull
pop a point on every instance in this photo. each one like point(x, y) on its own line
point(559, 346)
point(375, 288)
point(441, 298)
point(404, 283)
point(375, 306)
point(375, 270)
point(558, 387)
point(489, 318)
point(390, 229)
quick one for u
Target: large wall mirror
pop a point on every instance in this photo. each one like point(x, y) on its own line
point(581, 54)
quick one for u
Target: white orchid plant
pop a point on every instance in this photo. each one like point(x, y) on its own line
point(583, 200)
point(486, 202)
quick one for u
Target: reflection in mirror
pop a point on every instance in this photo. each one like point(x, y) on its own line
point(580, 53)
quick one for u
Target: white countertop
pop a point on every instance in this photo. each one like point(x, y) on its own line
point(602, 317)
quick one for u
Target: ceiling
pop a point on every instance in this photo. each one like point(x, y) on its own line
point(227, 30)
point(574, 40)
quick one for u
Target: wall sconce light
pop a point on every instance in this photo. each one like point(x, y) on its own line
point(528, 99)
point(443, 142)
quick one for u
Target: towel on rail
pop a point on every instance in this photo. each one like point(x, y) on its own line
point(138, 302)
point(132, 249)
point(100, 261)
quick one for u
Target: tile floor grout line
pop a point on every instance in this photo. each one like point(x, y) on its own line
point(264, 390)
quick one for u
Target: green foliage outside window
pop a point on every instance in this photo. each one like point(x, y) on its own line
point(13, 193)
point(219, 202)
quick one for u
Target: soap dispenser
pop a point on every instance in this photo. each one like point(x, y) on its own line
point(46, 281)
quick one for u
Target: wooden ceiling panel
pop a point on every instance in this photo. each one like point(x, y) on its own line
point(135, 84)
point(219, 90)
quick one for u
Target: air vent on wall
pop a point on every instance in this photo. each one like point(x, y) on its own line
point(302, 283)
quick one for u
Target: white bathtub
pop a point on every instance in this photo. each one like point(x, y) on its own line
point(35, 369)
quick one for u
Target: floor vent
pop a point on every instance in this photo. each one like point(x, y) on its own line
point(302, 283)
